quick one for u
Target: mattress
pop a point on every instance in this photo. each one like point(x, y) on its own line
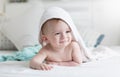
point(107, 67)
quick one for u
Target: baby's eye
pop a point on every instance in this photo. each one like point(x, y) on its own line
point(68, 31)
point(57, 33)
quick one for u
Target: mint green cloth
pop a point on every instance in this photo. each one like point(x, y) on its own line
point(23, 55)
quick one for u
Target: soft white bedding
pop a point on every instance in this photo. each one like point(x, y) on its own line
point(105, 67)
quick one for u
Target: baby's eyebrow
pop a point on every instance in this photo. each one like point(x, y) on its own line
point(54, 31)
point(69, 29)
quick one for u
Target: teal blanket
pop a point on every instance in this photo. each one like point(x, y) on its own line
point(23, 55)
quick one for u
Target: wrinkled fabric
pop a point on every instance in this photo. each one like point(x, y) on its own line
point(23, 55)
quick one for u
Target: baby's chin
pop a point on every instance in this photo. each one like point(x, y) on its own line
point(63, 44)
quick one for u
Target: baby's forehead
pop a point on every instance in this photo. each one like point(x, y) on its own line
point(54, 20)
point(53, 23)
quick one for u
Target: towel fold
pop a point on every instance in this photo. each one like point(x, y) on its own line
point(23, 55)
point(57, 12)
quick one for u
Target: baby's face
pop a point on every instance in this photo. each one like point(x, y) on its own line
point(58, 33)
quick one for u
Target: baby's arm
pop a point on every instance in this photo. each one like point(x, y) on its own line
point(77, 54)
point(37, 62)
point(65, 63)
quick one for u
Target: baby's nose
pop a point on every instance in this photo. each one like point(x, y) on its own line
point(63, 35)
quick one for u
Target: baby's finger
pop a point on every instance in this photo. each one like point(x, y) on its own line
point(48, 67)
point(42, 67)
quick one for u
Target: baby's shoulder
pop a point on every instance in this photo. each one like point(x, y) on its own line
point(44, 49)
point(74, 43)
point(75, 46)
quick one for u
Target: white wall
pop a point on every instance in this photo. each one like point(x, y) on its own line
point(100, 15)
point(106, 19)
point(1, 7)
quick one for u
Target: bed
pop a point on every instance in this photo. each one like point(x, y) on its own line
point(106, 66)
point(106, 62)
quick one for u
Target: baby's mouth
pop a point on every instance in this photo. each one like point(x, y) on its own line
point(63, 41)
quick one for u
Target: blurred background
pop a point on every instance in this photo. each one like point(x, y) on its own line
point(100, 15)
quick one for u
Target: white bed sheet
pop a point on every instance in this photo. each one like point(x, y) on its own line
point(109, 67)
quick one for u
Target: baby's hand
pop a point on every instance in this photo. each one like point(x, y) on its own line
point(52, 63)
point(44, 66)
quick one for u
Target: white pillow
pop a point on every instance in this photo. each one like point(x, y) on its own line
point(92, 38)
point(23, 31)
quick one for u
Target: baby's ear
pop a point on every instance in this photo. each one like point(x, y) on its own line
point(44, 38)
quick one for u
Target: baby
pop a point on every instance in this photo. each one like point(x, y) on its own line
point(59, 46)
